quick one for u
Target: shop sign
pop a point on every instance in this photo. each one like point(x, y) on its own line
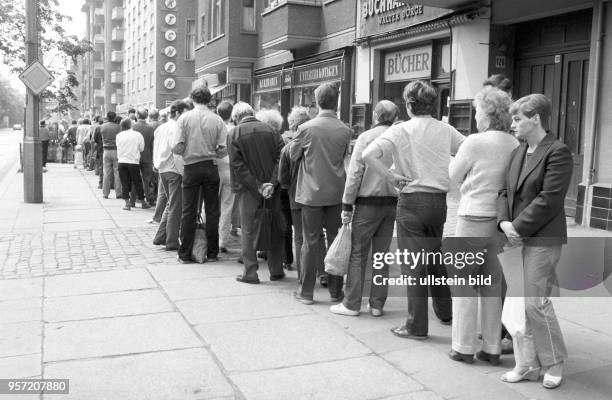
point(408, 64)
point(379, 16)
point(239, 75)
point(268, 82)
point(287, 79)
point(323, 72)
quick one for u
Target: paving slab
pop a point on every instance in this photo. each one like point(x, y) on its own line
point(421, 395)
point(178, 272)
point(20, 366)
point(416, 357)
point(21, 310)
point(359, 378)
point(78, 226)
point(240, 308)
point(569, 390)
point(92, 215)
point(13, 289)
point(213, 288)
point(279, 342)
point(168, 375)
point(21, 338)
point(98, 282)
point(115, 336)
point(102, 305)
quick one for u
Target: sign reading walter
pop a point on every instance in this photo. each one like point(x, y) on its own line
point(378, 16)
point(408, 64)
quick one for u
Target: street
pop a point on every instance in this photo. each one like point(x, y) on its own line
point(9, 151)
point(85, 296)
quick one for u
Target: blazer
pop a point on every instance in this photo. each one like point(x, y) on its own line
point(533, 197)
point(320, 149)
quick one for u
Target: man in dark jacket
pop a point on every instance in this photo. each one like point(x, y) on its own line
point(109, 131)
point(254, 156)
point(146, 157)
point(531, 214)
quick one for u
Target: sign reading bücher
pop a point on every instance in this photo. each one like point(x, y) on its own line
point(408, 64)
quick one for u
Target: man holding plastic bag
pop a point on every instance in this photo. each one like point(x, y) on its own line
point(370, 201)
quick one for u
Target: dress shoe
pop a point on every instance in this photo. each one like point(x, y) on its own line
point(277, 277)
point(492, 359)
point(144, 205)
point(183, 261)
point(302, 300)
point(341, 309)
point(402, 331)
point(242, 279)
point(375, 312)
point(521, 374)
point(467, 358)
point(118, 197)
point(446, 322)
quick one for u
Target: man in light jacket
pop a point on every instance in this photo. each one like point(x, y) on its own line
point(369, 200)
point(321, 147)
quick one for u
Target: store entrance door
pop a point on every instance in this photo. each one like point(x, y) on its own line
point(563, 79)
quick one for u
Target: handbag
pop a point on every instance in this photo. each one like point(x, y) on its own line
point(200, 245)
point(266, 220)
point(513, 315)
point(339, 253)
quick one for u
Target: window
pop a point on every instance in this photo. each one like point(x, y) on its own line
point(217, 13)
point(151, 52)
point(144, 54)
point(144, 81)
point(248, 15)
point(152, 78)
point(138, 84)
point(190, 39)
point(202, 28)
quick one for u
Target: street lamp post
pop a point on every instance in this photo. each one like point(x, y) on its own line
point(32, 147)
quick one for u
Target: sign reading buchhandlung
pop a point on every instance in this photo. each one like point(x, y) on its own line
point(408, 64)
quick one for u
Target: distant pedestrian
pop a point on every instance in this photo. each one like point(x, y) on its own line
point(44, 136)
point(146, 158)
point(322, 145)
point(109, 131)
point(421, 150)
point(254, 154)
point(202, 140)
point(226, 196)
point(99, 150)
point(130, 144)
point(82, 139)
point(369, 202)
point(171, 168)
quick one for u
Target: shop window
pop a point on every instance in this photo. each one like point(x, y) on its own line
point(305, 97)
point(267, 100)
point(248, 15)
point(216, 25)
point(190, 39)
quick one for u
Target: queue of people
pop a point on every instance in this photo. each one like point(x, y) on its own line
point(513, 177)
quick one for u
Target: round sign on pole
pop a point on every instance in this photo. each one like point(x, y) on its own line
point(170, 83)
point(170, 35)
point(170, 19)
point(170, 51)
point(171, 4)
point(170, 67)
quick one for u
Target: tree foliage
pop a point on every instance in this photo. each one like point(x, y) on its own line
point(11, 102)
point(53, 40)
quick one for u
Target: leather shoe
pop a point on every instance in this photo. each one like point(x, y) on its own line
point(183, 261)
point(446, 322)
point(492, 359)
point(402, 331)
point(277, 277)
point(467, 358)
point(242, 279)
point(302, 300)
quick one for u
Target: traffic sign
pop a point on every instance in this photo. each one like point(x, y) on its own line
point(36, 77)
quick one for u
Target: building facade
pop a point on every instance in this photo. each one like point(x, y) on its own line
point(275, 53)
point(159, 56)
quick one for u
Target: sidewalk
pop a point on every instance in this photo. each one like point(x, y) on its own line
point(84, 295)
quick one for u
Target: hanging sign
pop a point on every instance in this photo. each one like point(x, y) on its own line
point(408, 64)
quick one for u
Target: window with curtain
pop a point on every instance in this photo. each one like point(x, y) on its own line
point(216, 26)
point(190, 39)
point(248, 15)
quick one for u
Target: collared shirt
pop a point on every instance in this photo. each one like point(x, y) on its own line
point(322, 145)
point(202, 133)
point(129, 145)
point(109, 131)
point(422, 149)
point(163, 158)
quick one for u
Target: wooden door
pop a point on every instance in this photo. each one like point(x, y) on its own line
point(571, 118)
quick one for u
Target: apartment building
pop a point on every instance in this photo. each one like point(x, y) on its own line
point(159, 52)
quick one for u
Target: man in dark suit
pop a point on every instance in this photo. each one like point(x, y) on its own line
point(321, 146)
point(254, 156)
point(531, 214)
point(146, 157)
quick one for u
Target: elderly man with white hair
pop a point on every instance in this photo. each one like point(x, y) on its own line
point(254, 157)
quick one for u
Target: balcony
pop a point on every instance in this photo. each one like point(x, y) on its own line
point(99, 93)
point(118, 34)
point(117, 56)
point(99, 65)
point(287, 25)
point(117, 14)
point(116, 98)
point(116, 77)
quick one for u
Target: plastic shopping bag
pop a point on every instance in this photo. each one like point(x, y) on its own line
point(200, 245)
point(513, 315)
point(339, 253)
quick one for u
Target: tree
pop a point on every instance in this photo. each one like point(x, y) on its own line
point(11, 102)
point(53, 40)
